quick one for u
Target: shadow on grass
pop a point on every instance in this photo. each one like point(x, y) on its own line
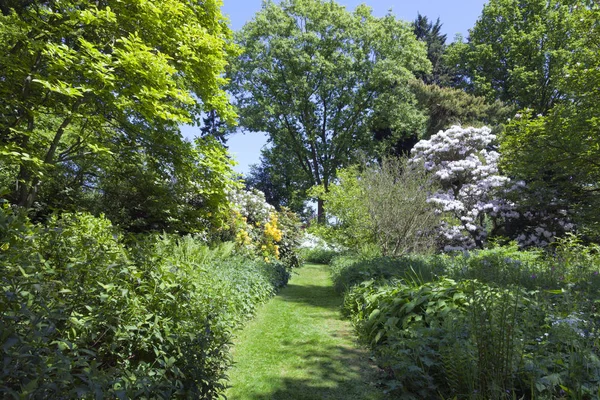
point(333, 374)
point(308, 353)
point(312, 295)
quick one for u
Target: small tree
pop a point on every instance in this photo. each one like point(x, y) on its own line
point(384, 205)
point(396, 200)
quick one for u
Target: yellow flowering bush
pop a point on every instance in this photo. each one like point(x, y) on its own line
point(261, 230)
point(271, 236)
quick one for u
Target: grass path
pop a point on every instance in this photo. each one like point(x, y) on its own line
point(297, 347)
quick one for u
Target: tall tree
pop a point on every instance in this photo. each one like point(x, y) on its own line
point(283, 184)
point(315, 77)
point(431, 34)
point(213, 125)
point(558, 154)
point(447, 106)
point(76, 77)
point(516, 51)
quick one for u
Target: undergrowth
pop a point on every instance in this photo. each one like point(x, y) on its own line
point(85, 313)
point(491, 324)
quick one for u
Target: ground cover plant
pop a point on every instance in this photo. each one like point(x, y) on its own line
point(489, 324)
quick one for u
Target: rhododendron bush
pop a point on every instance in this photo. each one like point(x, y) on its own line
point(474, 196)
point(261, 230)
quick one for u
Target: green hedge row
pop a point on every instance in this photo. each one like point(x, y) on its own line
point(84, 315)
point(491, 324)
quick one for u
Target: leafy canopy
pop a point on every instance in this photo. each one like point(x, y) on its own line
point(557, 154)
point(78, 76)
point(516, 51)
point(315, 77)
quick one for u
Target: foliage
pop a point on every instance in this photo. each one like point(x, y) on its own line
point(79, 77)
point(352, 226)
point(392, 318)
point(448, 106)
point(384, 205)
point(84, 316)
point(556, 154)
point(396, 201)
point(314, 249)
point(430, 33)
point(290, 226)
point(517, 50)
point(316, 77)
point(318, 255)
point(283, 184)
point(256, 228)
point(139, 197)
point(350, 270)
point(498, 323)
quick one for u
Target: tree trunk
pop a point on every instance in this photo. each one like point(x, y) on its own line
point(320, 211)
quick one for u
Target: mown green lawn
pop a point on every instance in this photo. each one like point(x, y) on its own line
point(298, 347)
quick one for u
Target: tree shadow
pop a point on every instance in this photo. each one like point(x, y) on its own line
point(335, 372)
point(312, 295)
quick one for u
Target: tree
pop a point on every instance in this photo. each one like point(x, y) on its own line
point(282, 183)
point(557, 154)
point(430, 33)
point(132, 188)
point(316, 77)
point(446, 106)
point(214, 126)
point(516, 51)
point(76, 77)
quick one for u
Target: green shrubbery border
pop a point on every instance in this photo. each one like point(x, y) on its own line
point(84, 315)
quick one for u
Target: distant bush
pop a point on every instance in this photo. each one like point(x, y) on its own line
point(348, 270)
point(318, 255)
point(83, 315)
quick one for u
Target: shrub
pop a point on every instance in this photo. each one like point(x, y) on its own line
point(382, 204)
point(347, 271)
point(506, 324)
point(259, 230)
point(318, 255)
point(82, 315)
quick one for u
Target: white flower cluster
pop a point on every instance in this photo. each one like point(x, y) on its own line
point(473, 191)
point(471, 187)
point(252, 205)
point(310, 241)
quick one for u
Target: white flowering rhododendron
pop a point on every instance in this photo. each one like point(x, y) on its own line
point(471, 187)
point(252, 205)
point(475, 194)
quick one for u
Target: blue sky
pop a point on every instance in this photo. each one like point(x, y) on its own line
point(456, 17)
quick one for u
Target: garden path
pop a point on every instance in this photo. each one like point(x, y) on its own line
point(298, 348)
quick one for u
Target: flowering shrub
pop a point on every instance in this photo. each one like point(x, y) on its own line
point(271, 236)
point(261, 230)
point(471, 188)
point(252, 205)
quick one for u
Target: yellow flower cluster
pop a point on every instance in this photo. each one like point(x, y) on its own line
point(272, 235)
point(272, 231)
point(243, 238)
